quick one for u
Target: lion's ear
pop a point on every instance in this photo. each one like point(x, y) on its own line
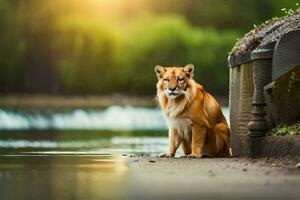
point(159, 70)
point(189, 70)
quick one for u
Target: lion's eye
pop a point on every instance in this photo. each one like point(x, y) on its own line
point(166, 79)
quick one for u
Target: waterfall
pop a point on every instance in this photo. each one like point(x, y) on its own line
point(113, 118)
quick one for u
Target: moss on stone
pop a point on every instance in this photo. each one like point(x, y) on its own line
point(259, 34)
point(284, 129)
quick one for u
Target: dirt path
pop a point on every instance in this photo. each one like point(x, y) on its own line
point(235, 178)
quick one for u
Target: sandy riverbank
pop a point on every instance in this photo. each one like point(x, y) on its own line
point(235, 178)
point(93, 176)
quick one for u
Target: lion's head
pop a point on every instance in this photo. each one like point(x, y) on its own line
point(174, 81)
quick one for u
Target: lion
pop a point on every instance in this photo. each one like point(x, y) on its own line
point(194, 116)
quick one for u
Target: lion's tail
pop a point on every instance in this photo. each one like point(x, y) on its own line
point(222, 139)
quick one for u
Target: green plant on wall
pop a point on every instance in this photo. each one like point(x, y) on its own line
point(284, 129)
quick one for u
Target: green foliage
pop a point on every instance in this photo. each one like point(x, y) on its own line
point(171, 41)
point(104, 47)
point(290, 11)
point(86, 56)
point(96, 58)
point(11, 48)
point(284, 129)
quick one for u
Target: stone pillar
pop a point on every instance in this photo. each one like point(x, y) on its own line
point(234, 90)
point(240, 98)
point(262, 68)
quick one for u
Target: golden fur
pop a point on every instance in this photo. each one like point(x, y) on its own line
point(195, 118)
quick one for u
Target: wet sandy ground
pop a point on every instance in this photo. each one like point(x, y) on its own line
point(61, 177)
point(212, 178)
point(82, 175)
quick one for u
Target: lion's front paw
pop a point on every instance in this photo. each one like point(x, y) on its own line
point(194, 155)
point(166, 155)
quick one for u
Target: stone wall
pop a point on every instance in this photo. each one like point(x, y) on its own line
point(240, 99)
point(283, 98)
point(256, 103)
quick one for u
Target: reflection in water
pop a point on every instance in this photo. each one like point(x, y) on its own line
point(61, 177)
point(74, 164)
point(70, 165)
point(149, 142)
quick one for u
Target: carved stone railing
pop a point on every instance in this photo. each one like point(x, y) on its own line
point(283, 94)
point(275, 70)
point(262, 70)
point(260, 63)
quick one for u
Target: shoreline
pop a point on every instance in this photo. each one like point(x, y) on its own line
point(104, 176)
point(40, 101)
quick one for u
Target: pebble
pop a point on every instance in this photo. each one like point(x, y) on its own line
point(297, 165)
point(268, 159)
point(267, 172)
point(275, 165)
point(152, 161)
point(244, 169)
point(211, 173)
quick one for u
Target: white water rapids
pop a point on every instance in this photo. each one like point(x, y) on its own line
point(112, 118)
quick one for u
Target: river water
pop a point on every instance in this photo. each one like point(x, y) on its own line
point(114, 130)
point(75, 154)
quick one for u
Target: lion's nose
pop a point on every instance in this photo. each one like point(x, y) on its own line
point(172, 89)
